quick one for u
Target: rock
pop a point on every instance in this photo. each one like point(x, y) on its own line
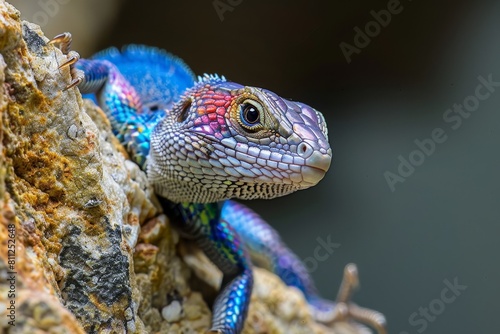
point(172, 312)
point(91, 251)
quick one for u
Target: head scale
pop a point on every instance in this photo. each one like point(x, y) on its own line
point(224, 140)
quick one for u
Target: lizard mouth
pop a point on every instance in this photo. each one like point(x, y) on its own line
point(312, 175)
point(316, 166)
point(319, 161)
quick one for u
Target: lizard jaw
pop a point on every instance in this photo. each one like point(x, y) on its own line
point(311, 176)
point(316, 167)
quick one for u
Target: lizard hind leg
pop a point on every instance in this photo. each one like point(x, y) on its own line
point(267, 250)
point(346, 310)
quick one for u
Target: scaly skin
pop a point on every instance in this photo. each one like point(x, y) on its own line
point(204, 142)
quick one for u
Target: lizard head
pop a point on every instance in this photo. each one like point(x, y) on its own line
point(223, 140)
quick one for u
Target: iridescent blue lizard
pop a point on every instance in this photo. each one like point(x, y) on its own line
point(203, 142)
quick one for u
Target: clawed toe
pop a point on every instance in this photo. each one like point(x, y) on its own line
point(64, 40)
point(75, 82)
point(73, 57)
point(350, 282)
point(369, 317)
point(345, 310)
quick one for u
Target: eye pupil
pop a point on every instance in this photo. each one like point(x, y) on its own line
point(251, 114)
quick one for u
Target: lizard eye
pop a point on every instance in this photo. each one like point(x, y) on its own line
point(250, 115)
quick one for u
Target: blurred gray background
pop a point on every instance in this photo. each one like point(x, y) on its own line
point(442, 223)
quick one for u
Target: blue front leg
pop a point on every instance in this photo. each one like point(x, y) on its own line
point(220, 242)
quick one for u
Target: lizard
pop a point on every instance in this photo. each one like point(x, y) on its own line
point(204, 142)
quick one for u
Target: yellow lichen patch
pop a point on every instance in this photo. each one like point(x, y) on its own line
point(10, 27)
point(43, 168)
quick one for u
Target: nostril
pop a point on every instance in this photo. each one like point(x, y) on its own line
point(304, 150)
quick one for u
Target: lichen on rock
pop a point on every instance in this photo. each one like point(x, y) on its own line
point(93, 251)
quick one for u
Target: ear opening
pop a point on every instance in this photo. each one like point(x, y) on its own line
point(184, 110)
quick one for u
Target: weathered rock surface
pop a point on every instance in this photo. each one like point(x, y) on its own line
point(93, 252)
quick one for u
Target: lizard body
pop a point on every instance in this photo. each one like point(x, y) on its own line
point(203, 142)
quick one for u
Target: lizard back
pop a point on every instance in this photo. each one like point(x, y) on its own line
point(158, 77)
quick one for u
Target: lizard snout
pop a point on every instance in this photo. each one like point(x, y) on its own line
point(316, 166)
point(319, 161)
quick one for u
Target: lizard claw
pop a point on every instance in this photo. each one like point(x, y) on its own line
point(75, 82)
point(73, 57)
point(64, 40)
point(349, 283)
point(346, 310)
